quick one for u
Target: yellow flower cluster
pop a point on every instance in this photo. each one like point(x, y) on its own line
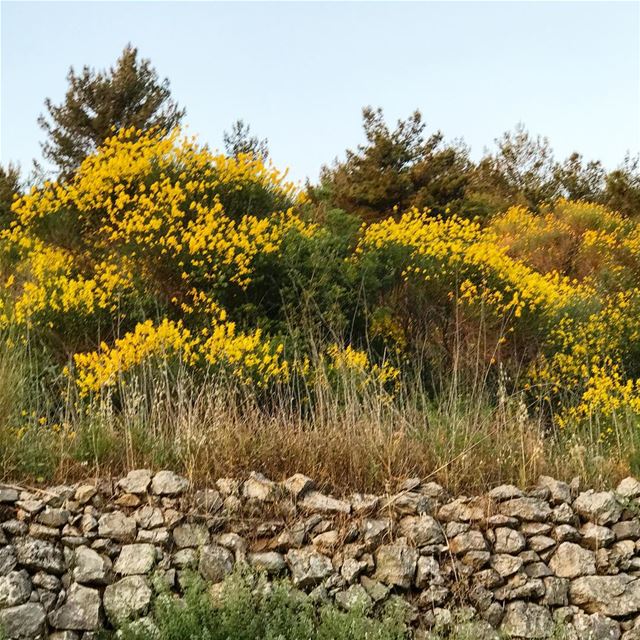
point(356, 362)
point(461, 256)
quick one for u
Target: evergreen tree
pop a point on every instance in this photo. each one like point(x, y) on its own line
point(129, 94)
point(9, 188)
point(239, 140)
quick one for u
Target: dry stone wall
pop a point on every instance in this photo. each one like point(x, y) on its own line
point(78, 559)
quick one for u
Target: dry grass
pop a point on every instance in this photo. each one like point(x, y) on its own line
point(347, 440)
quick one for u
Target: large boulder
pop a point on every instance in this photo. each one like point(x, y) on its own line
point(80, 611)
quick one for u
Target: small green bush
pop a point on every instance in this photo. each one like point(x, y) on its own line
point(250, 608)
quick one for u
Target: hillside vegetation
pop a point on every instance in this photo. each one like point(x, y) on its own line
point(166, 304)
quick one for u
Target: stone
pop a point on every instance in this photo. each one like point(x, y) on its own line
point(167, 483)
point(363, 503)
point(465, 510)
point(566, 533)
point(308, 567)
point(259, 488)
point(421, 530)
point(560, 491)
point(596, 536)
point(541, 543)
point(84, 493)
point(527, 620)
point(601, 508)
point(126, 599)
point(135, 559)
point(117, 526)
point(355, 597)
point(39, 555)
point(351, 569)
point(528, 509)
point(136, 482)
point(208, 500)
point(505, 492)
point(556, 592)
point(627, 530)
point(80, 611)
point(190, 535)
point(396, 565)
point(376, 531)
point(149, 517)
point(375, 589)
point(270, 562)
point(506, 565)
point(52, 517)
point(408, 503)
point(628, 488)
point(23, 621)
point(8, 495)
point(90, 567)
point(298, 484)
point(596, 627)
point(508, 541)
point(215, 563)
point(465, 542)
point(185, 558)
point(572, 561)
point(427, 572)
point(615, 596)
point(316, 502)
point(8, 560)
point(15, 588)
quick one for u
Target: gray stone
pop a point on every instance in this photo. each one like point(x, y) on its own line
point(24, 621)
point(216, 562)
point(190, 535)
point(52, 517)
point(465, 542)
point(90, 567)
point(316, 502)
point(136, 481)
point(355, 597)
point(376, 531)
point(528, 509)
point(527, 620)
point(149, 517)
point(167, 483)
point(117, 526)
point(298, 484)
point(596, 627)
point(508, 541)
point(259, 488)
point(396, 565)
point(39, 555)
point(421, 530)
point(596, 536)
point(602, 508)
point(556, 592)
point(572, 561)
point(15, 588)
point(8, 560)
point(269, 561)
point(560, 491)
point(629, 488)
point(505, 492)
point(506, 565)
point(428, 572)
point(627, 530)
point(8, 494)
point(126, 599)
point(351, 569)
point(80, 611)
point(308, 567)
point(208, 500)
point(375, 589)
point(609, 595)
point(135, 559)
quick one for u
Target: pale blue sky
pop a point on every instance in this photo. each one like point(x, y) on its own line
point(299, 73)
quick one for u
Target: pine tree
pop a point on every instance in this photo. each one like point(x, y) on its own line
point(129, 94)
